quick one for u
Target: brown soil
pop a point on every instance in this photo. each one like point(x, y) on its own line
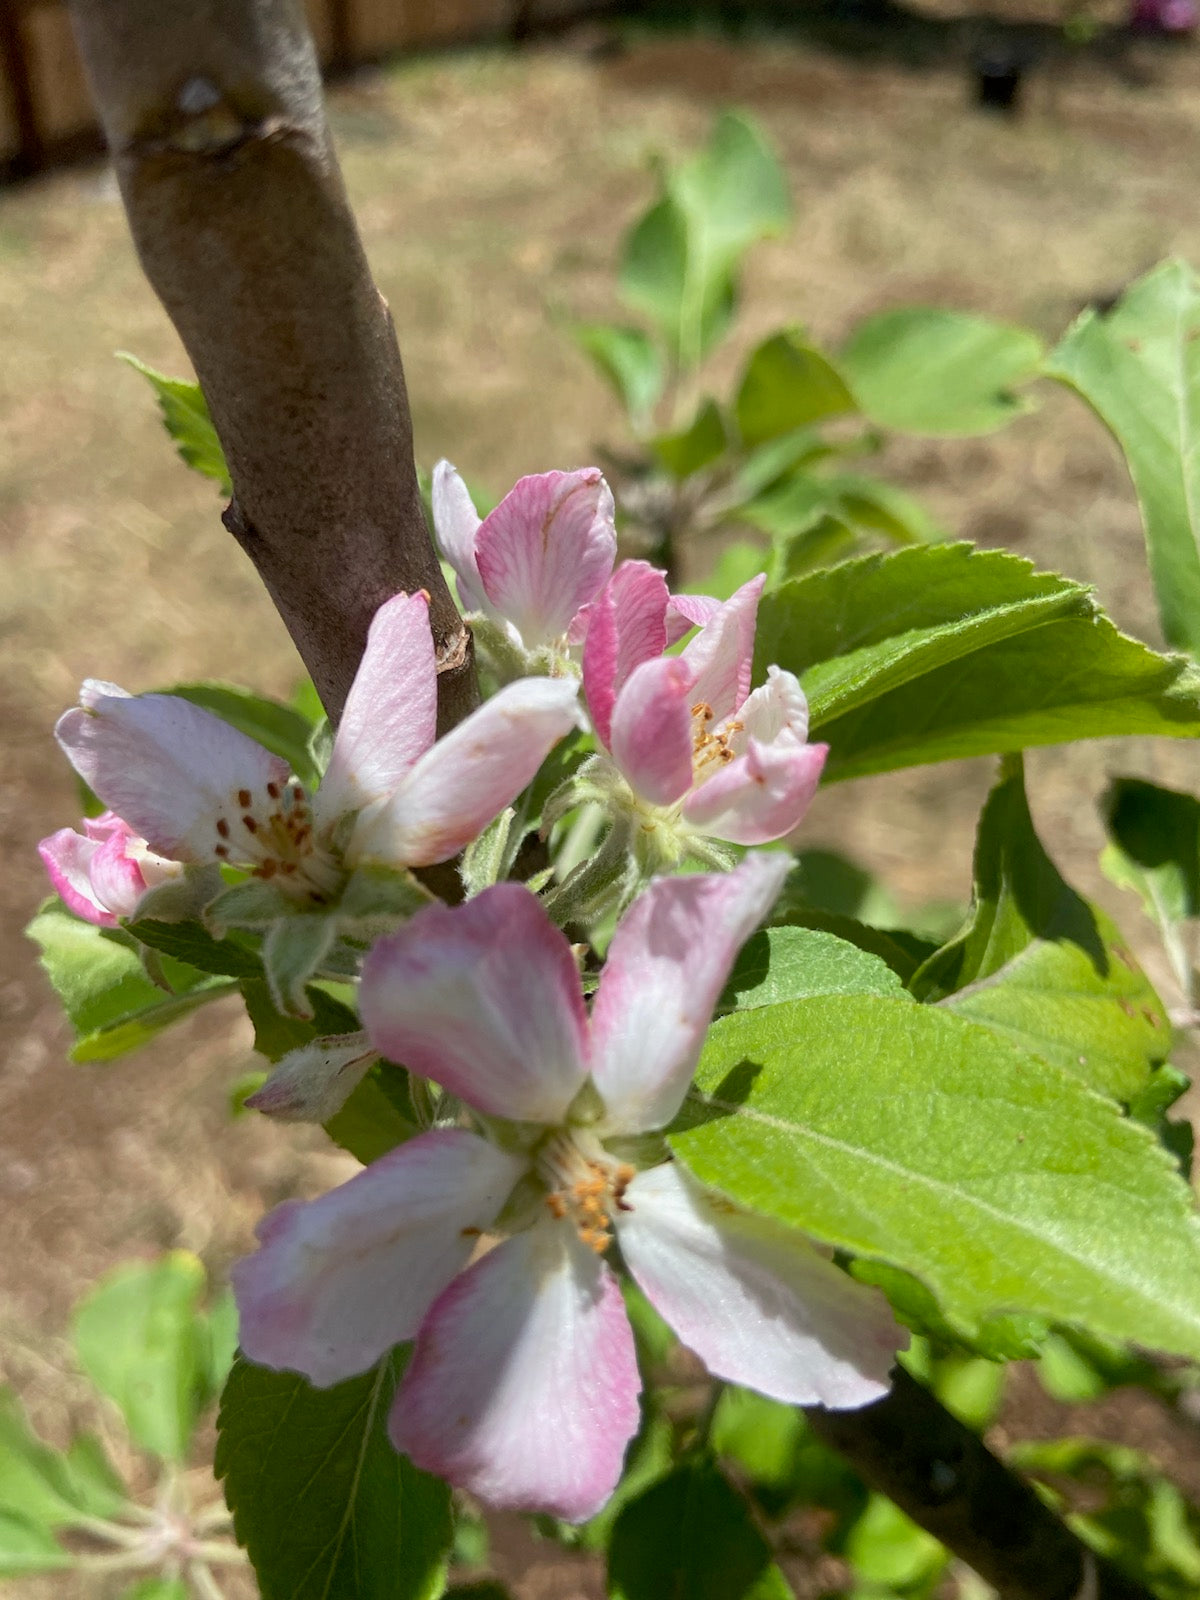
point(492, 191)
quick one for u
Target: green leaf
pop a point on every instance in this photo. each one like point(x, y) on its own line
point(885, 1546)
point(932, 371)
point(112, 1005)
point(629, 360)
point(1041, 966)
point(690, 1536)
point(874, 506)
point(1154, 847)
point(321, 1500)
point(377, 1117)
point(939, 652)
point(872, 625)
point(95, 1483)
point(185, 417)
point(1136, 1516)
point(280, 728)
point(141, 1339)
point(697, 446)
point(910, 1136)
point(40, 1485)
point(222, 1322)
point(158, 1589)
point(1138, 367)
point(763, 1436)
point(788, 384)
point(25, 1548)
point(791, 963)
point(681, 258)
point(193, 945)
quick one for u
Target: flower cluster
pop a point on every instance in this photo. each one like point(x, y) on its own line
point(487, 1238)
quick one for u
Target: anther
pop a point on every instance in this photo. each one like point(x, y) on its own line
point(243, 798)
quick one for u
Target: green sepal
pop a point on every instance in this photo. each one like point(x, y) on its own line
point(292, 953)
point(254, 904)
point(377, 899)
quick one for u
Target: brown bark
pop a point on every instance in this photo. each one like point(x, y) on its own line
point(214, 116)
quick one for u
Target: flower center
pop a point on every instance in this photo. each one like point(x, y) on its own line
point(711, 747)
point(272, 834)
point(584, 1185)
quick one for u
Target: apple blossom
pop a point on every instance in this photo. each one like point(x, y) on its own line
point(522, 1386)
point(531, 565)
point(691, 753)
point(198, 789)
point(102, 873)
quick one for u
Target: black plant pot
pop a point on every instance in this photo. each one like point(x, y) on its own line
point(998, 78)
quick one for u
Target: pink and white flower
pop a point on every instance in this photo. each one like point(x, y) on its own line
point(102, 873)
point(530, 566)
point(692, 753)
point(523, 1383)
point(196, 789)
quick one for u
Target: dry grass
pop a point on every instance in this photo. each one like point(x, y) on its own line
point(492, 192)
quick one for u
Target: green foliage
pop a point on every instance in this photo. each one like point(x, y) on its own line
point(280, 728)
point(681, 260)
point(158, 1589)
point(27, 1548)
point(1138, 367)
point(111, 1002)
point(143, 1341)
point(690, 1535)
point(321, 1501)
point(185, 417)
point(886, 1547)
point(788, 384)
point(1142, 1521)
point(931, 371)
point(45, 1488)
point(792, 963)
point(696, 446)
point(936, 653)
point(1041, 966)
point(1155, 846)
point(907, 1135)
point(629, 360)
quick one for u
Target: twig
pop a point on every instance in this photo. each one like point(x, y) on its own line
point(213, 113)
point(909, 1447)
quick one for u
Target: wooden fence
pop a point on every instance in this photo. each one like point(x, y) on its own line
point(45, 110)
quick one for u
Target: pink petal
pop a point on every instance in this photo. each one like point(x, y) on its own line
point(169, 768)
point(757, 1302)
point(688, 611)
point(467, 778)
point(760, 796)
point(456, 522)
point(721, 655)
point(338, 1281)
point(651, 735)
point(667, 964)
point(118, 876)
point(546, 550)
point(391, 714)
point(625, 627)
point(106, 824)
point(485, 999)
point(67, 857)
point(523, 1385)
point(775, 707)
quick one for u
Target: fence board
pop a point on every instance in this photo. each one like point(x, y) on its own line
point(45, 112)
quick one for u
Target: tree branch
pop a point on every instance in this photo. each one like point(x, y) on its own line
point(909, 1447)
point(214, 116)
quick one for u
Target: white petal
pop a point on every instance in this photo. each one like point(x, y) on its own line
point(340, 1280)
point(523, 1385)
point(455, 524)
point(391, 713)
point(667, 964)
point(168, 767)
point(757, 1302)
